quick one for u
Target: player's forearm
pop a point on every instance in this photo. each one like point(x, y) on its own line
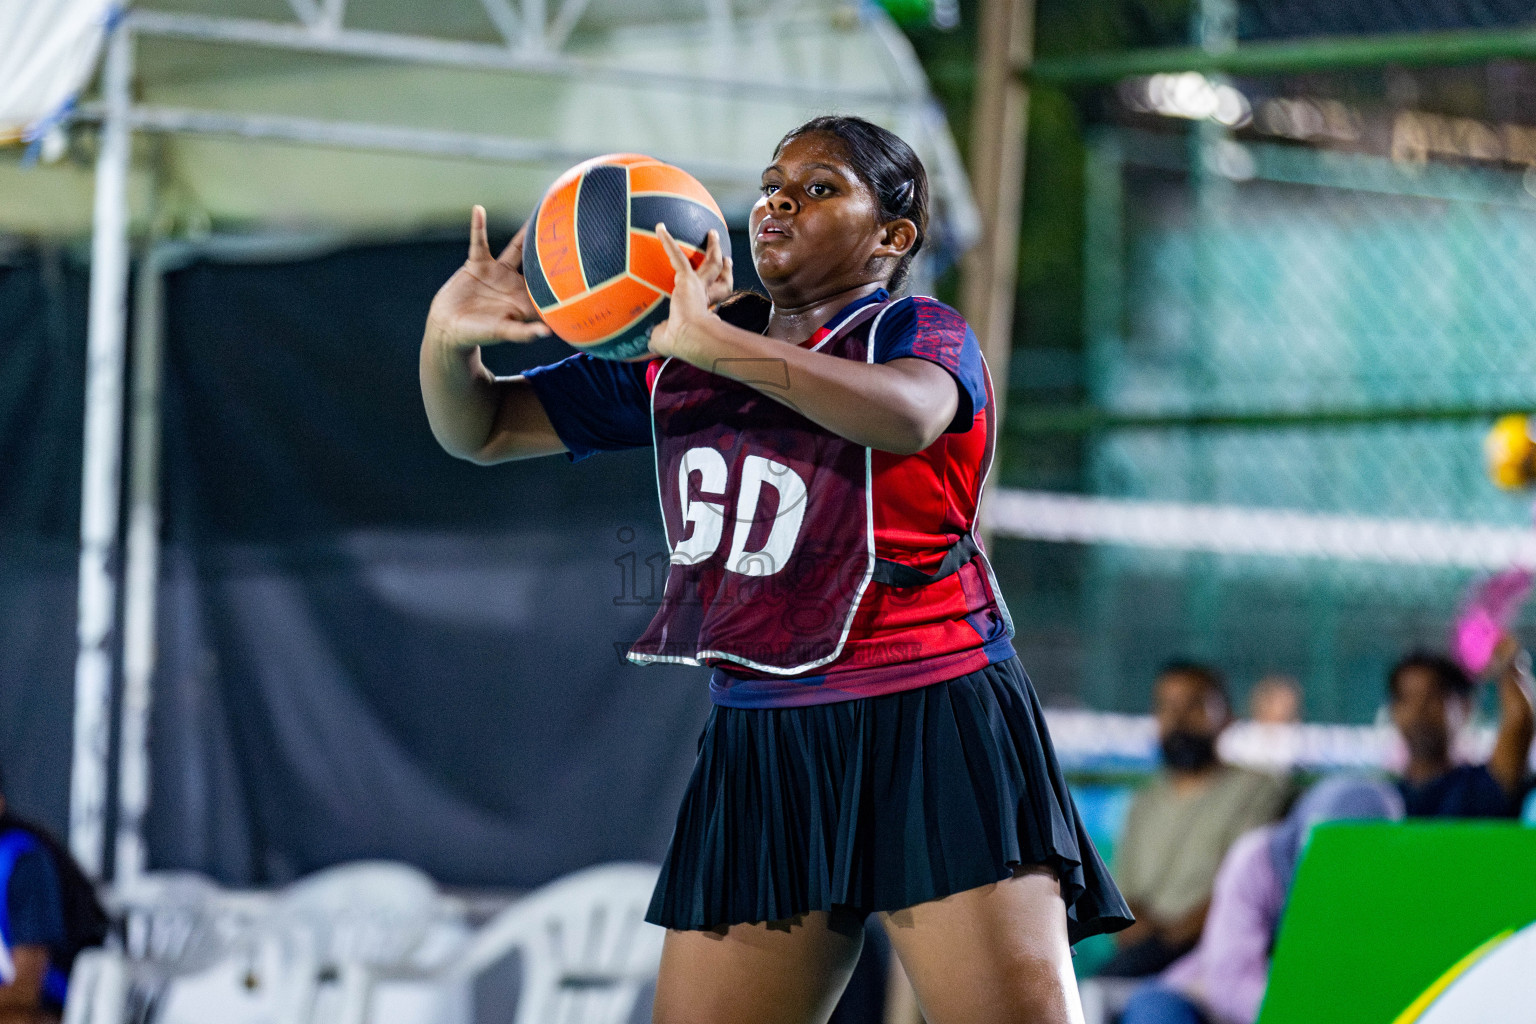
point(893, 407)
point(459, 394)
point(1517, 725)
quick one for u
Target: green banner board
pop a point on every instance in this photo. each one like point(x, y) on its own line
point(1382, 913)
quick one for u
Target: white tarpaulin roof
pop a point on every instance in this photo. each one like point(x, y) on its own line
point(48, 49)
point(266, 113)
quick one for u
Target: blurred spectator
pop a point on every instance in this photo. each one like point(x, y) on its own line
point(1275, 700)
point(1181, 824)
point(1222, 980)
point(1431, 702)
point(49, 913)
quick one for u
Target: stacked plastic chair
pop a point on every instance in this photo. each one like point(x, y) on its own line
point(172, 926)
point(584, 948)
point(587, 951)
point(352, 923)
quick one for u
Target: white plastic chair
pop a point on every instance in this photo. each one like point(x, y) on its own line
point(97, 988)
point(172, 927)
point(354, 922)
point(586, 948)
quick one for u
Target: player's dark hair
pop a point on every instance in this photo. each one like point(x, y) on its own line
point(887, 165)
point(1208, 676)
point(1449, 676)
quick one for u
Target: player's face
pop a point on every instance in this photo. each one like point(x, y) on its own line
point(1426, 715)
point(817, 229)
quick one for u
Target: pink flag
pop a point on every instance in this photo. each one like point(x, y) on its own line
point(1490, 610)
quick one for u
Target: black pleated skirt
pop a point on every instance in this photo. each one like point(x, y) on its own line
point(878, 804)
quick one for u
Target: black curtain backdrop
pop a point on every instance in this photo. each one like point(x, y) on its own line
point(42, 370)
point(367, 648)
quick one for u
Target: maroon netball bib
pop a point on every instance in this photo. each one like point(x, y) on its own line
point(767, 514)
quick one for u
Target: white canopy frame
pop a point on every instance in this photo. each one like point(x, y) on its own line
point(533, 38)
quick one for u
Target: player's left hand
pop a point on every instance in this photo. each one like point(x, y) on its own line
point(678, 334)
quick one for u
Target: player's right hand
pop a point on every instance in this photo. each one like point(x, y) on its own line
point(486, 300)
point(1507, 656)
point(689, 304)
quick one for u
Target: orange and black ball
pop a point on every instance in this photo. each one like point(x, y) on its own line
point(595, 268)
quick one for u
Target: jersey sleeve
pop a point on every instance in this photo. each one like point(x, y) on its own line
point(34, 901)
point(595, 405)
point(928, 329)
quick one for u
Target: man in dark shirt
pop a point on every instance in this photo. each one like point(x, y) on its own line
point(1431, 699)
point(32, 925)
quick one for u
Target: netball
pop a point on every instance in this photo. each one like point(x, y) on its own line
point(595, 268)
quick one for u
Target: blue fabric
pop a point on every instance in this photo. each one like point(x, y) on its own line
point(599, 405)
point(32, 913)
point(1466, 791)
point(1154, 1004)
point(595, 405)
point(34, 904)
point(13, 846)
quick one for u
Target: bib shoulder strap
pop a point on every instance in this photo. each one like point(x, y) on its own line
point(859, 316)
point(892, 573)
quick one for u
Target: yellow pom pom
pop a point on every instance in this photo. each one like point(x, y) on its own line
point(1511, 452)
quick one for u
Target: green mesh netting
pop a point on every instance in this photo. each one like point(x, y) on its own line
point(1384, 311)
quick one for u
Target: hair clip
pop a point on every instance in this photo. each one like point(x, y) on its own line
point(901, 202)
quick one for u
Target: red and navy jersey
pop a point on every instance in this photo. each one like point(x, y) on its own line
point(920, 504)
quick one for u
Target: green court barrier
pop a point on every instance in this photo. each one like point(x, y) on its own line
point(1381, 913)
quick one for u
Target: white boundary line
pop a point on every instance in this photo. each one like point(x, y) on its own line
point(1234, 530)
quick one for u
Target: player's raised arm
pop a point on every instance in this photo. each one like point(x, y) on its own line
point(474, 414)
point(1517, 722)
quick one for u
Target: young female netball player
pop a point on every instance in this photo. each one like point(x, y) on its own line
point(874, 746)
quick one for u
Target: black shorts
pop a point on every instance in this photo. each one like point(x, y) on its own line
point(878, 804)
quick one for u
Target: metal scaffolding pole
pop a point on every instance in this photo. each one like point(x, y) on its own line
point(393, 47)
point(141, 566)
point(1408, 49)
point(382, 138)
point(102, 461)
point(997, 171)
point(1067, 420)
